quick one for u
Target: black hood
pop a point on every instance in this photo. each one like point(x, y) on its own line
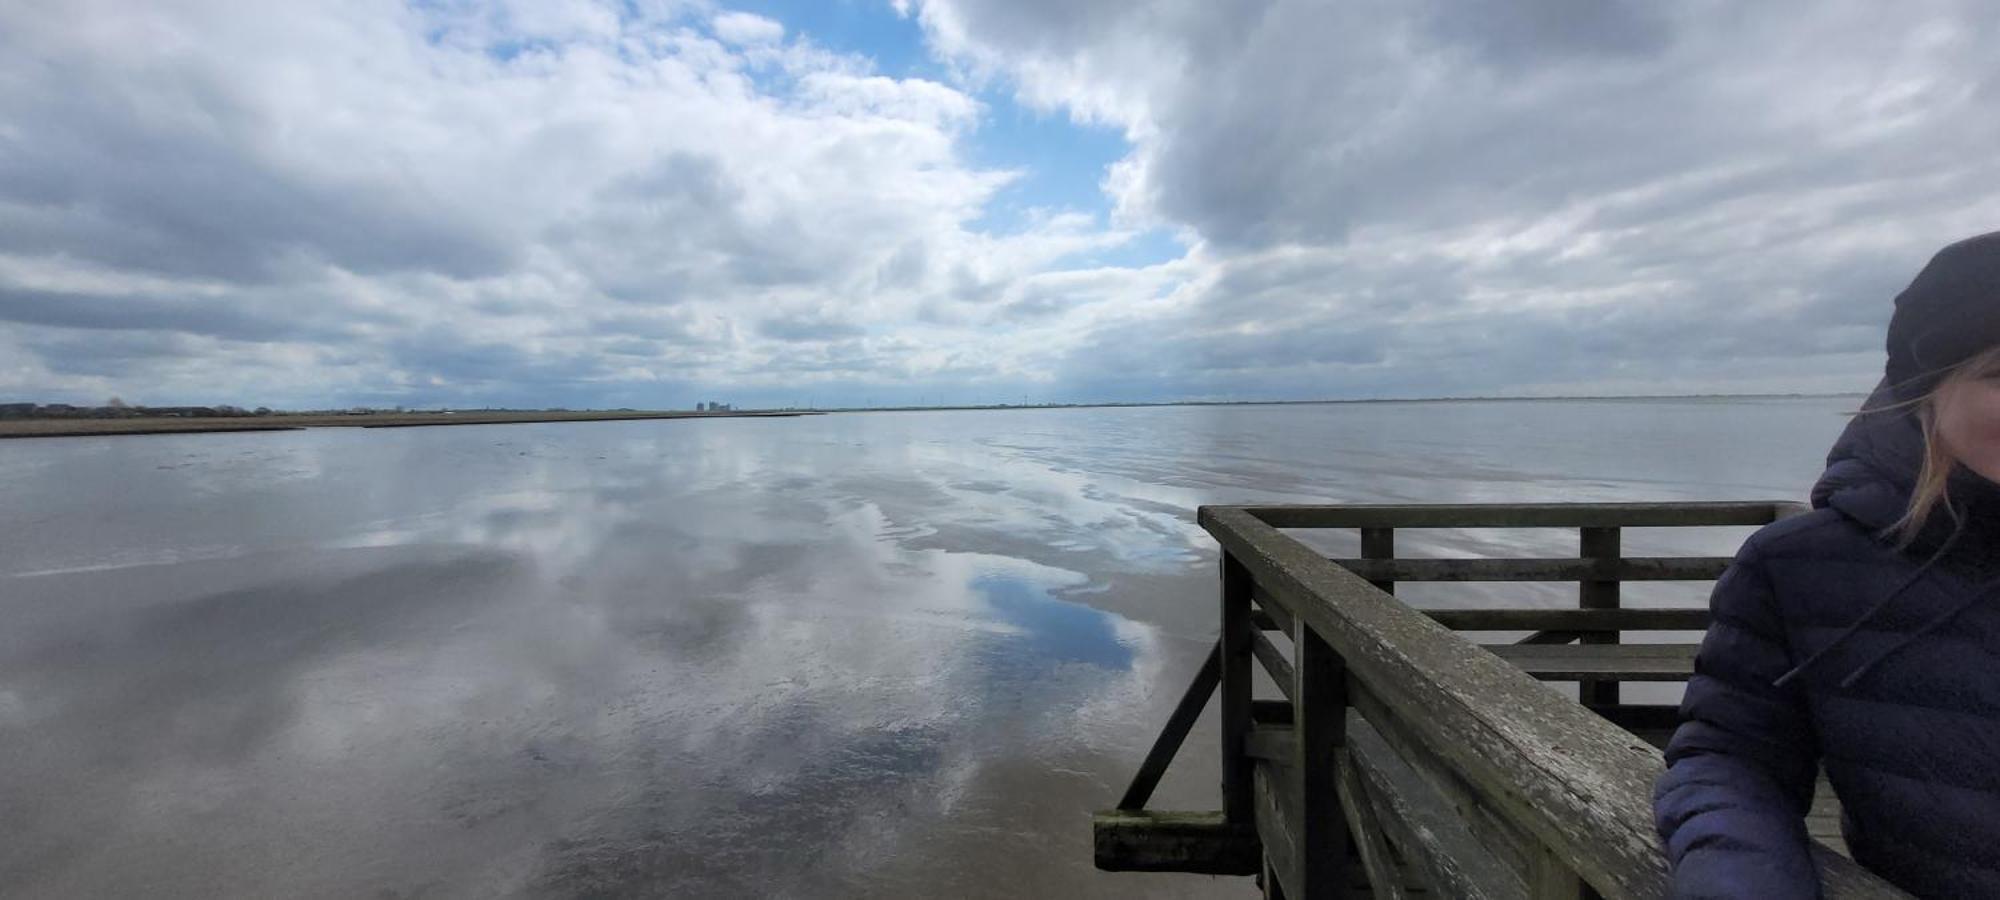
point(1872, 468)
point(1948, 314)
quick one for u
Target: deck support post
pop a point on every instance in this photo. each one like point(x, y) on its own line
point(1234, 648)
point(1319, 728)
point(1599, 543)
point(1379, 543)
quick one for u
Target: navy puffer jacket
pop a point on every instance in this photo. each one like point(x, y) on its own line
point(1830, 646)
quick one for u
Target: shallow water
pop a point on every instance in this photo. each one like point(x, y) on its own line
point(891, 654)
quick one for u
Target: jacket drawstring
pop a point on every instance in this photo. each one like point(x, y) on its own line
point(1972, 598)
point(1870, 614)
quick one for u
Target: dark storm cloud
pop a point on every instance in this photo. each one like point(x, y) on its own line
point(171, 177)
point(215, 317)
point(107, 354)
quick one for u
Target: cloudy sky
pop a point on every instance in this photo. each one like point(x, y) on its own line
point(653, 202)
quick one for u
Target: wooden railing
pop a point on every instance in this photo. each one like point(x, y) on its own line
point(1405, 758)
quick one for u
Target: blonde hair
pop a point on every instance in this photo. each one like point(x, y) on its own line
point(1933, 480)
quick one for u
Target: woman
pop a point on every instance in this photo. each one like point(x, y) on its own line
point(1865, 636)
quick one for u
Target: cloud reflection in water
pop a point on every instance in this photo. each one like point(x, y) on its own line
point(894, 655)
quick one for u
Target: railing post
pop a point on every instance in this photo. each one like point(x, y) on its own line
point(1319, 730)
point(1599, 543)
point(1379, 543)
point(1234, 648)
point(1549, 878)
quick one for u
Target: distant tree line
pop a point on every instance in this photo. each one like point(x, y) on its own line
point(119, 409)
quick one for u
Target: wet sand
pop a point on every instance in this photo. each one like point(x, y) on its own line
point(877, 656)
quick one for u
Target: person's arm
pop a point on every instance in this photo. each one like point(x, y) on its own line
point(1740, 771)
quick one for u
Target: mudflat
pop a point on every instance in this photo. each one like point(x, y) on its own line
point(21, 428)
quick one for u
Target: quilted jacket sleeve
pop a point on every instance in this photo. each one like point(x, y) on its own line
point(1740, 770)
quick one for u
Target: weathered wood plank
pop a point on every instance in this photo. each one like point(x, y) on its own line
point(1272, 616)
point(1414, 790)
point(1581, 662)
point(1425, 824)
point(1524, 515)
point(1269, 743)
point(1154, 841)
point(1186, 712)
point(1384, 878)
point(1574, 781)
point(1276, 818)
point(1631, 568)
point(1688, 619)
point(1842, 877)
point(1550, 878)
point(1508, 842)
point(1268, 881)
point(1274, 662)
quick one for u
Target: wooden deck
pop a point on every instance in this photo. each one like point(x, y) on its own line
point(1405, 758)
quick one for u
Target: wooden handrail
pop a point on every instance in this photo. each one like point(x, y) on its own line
point(1402, 734)
point(1569, 779)
point(1629, 568)
point(1680, 619)
point(1525, 515)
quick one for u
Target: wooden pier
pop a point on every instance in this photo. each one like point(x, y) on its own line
point(1404, 759)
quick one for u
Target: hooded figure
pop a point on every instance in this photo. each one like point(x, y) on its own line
point(1838, 641)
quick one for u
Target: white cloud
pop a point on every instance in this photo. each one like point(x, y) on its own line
point(745, 29)
point(614, 203)
point(1755, 182)
point(532, 204)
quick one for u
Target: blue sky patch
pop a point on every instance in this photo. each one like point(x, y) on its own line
point(1055, 631)
point(1062, 164)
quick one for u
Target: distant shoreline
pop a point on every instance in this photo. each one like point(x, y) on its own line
point(1148, 405)
point(41, 428)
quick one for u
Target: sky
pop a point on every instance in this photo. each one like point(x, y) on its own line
point(654, 203)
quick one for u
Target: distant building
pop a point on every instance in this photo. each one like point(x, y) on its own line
point(701, 407)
